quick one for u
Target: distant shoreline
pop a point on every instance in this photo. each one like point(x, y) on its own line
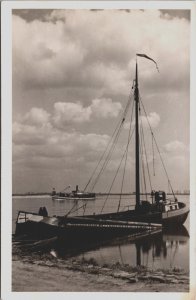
point(97, 194)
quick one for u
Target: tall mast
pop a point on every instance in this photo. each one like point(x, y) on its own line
point(137, 146)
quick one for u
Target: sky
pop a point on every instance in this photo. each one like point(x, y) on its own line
point(72, 74)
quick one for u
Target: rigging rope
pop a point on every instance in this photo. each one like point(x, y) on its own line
point(153, 155)
point(119, 123)
point(141, 178)
point(114, 138)
point(164, 168)
point(107, 158)
point(125, 160)
point(146, 157)
point(70, 211)
point(158, 151)
point(78, 208)
point(84, 208)
point(117, 171)
point(141, 155)
point(113, 145)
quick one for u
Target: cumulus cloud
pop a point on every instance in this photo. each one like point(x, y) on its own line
point(175, 146)
point(66, 113)
point(105, 108)
point(36, 116)
point(153, 119)
point(70, 112)
point(79, 65)
point(65, 51)
point(39, 145)
point(49, 142)
point(29, 134)
point(37, 133)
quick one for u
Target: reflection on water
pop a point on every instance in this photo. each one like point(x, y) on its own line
point(166, 250)
point(163, 247)
point(163, 250)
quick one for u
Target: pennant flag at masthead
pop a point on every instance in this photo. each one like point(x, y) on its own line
point(145, 56)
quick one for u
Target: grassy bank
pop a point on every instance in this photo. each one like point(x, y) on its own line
point(38, 272)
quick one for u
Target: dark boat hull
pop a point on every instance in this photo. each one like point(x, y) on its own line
point(175, 221)
point(63, 198)
point(167, 219)
point(100, 226)
point(74, 229)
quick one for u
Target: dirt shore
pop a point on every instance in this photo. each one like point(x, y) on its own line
point(33, 273)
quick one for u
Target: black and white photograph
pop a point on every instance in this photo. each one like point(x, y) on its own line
point(100, 166)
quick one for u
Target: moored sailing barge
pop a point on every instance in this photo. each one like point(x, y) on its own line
point(161, 212)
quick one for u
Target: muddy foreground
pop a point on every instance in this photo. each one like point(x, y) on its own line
point(44, 273)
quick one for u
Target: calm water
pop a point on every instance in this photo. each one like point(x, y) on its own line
point(164, 250)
